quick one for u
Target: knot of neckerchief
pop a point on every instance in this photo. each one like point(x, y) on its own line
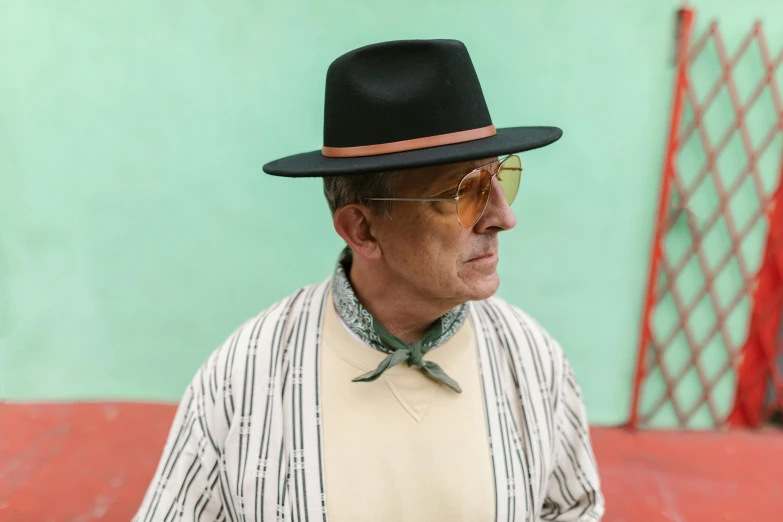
point(411, 354)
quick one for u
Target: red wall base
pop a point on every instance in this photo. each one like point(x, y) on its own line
point(93, 461)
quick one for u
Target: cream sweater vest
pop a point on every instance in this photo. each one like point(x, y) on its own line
point(404, 447)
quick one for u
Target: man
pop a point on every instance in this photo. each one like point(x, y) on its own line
point(398, 389)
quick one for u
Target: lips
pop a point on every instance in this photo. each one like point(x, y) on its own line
point(486, 255)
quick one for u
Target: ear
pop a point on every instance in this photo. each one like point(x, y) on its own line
point(354, 223)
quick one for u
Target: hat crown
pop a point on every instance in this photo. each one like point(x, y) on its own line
point(401, 90)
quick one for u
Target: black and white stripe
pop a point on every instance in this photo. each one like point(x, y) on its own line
point(246, 441)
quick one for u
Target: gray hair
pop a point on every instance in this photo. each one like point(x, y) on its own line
point(345, 190)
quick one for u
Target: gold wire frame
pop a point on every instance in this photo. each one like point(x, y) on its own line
point(456, 198)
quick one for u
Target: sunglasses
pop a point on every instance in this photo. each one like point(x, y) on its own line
point(475, 188)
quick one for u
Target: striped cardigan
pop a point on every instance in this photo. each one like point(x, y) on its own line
point(245, 444)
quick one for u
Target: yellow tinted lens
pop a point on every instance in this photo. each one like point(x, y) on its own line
point(473, 195)
point(509, 175)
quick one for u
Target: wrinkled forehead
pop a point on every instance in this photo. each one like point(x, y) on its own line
point(438, 178)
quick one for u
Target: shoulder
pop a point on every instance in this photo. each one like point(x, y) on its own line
point(521, 334)
point(266, 333)
point(271, 327)
point(503, 315)
point(244, 365)
point(279, 314)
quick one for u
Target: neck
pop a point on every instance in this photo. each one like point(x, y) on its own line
point(403, 311)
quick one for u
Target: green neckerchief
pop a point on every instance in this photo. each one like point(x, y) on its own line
point(373, 333)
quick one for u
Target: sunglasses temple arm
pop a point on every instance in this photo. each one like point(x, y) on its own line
point(411, 199)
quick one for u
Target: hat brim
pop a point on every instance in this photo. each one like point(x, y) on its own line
point(508, 140)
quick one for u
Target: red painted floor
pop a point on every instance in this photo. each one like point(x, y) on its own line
point(82, 462)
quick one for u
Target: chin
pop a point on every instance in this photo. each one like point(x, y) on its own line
point(484, 288)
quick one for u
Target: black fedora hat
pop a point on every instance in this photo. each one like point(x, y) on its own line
point(405, 104)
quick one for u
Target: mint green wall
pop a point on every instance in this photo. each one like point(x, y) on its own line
point(137, 230)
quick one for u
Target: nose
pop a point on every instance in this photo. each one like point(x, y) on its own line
point(498, 214)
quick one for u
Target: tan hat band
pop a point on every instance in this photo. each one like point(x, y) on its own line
point(401, 146)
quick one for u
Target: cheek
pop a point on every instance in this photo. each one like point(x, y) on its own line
point(428, 240)
point(442, 248)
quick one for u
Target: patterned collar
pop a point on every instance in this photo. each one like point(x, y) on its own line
point(359, 320)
